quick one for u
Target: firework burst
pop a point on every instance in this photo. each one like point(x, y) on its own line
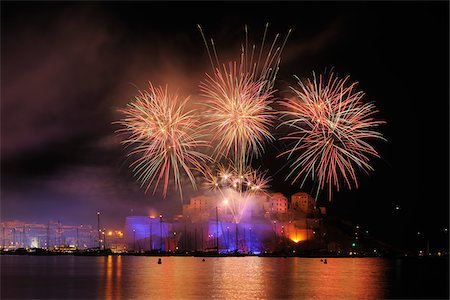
point(238, 100)
point(332, 126)
point(238, 114)
point(165, 137)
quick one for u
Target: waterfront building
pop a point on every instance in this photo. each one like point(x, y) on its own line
point(200, 208)
point(276, 203)
point(210, 222)
point(303, 202)
point(53, 235)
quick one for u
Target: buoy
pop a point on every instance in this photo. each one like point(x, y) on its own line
point(325, 261)
point(159, 261)
point(203, 259)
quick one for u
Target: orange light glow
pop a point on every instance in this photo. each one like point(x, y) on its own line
point(297, 235)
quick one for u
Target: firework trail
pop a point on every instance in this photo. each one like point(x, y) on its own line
point(165, 137)
point(262, 65)
point(238, 99)
point(331, 127)
point(236, 188)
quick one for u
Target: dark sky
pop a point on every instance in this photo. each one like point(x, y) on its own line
point(67, 67)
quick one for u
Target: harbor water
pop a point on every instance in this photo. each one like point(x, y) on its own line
point(141, 277)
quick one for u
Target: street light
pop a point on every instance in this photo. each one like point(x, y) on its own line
point(275, 228)
point(99, 232)
point(228, 238)
point(134, 240)
point(104, 238)
point(237, 237)
point(160, 232)
point(175, 241)
point(150, 234)
point(250, 237)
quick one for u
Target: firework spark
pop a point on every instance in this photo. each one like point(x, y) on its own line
point(262, 65)
point(331, 127)
point(165, 137)
point(236, 188)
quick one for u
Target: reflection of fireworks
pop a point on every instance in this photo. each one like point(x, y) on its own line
point(238, 99)
point(165, 136)
point(236, 188)
point(331, 126)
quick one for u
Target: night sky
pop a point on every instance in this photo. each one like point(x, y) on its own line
point(67, 67)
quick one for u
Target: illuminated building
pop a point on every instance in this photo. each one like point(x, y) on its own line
point(53, 235)
point(200, 208)
point(115, 240)
point(265, 222)
point(276, 203)
point(303, 202)
point(144, 233)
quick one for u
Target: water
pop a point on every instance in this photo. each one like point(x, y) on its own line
point(137, 277)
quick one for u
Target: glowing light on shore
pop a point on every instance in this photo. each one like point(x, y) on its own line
point(331, 127)
point(297, 235)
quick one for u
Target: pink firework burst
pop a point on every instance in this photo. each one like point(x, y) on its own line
point(164, 136)
point(331, 129)
point(238, 99)
point(238, 114)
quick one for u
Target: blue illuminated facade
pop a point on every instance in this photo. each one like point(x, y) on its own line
point(144, 233)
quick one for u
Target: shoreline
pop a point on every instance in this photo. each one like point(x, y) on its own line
point(206, 254)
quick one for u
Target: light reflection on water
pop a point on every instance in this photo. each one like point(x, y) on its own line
point(133, 277)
